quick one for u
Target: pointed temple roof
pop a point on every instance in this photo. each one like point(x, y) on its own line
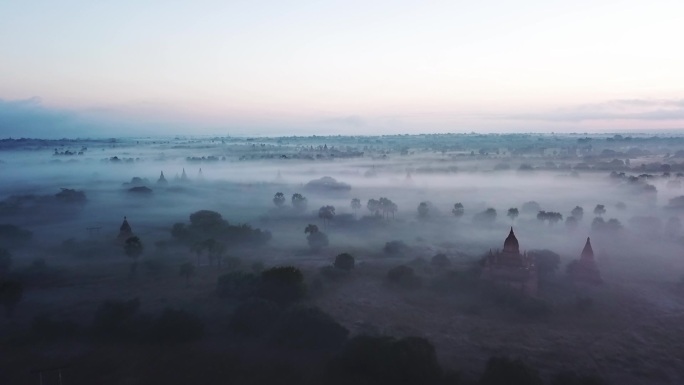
point(587, 252)
point(511, 243)
point(162, 179)
point(184, 176)
point(125, 227)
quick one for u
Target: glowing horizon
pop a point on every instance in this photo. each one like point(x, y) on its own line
point(343, 67)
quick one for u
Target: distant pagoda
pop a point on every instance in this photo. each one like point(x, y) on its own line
point(125, 231)
point(511, 268)
point(184, 176)
point(584, 269)
point(161, 179)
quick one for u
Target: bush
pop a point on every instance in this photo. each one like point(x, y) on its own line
point(440, 261)
point(115, 318)
point(44, 327)
point(11, 235)
point(317, 240)
point(254, 317)
point(237, 285)
point(154, 266)
point(386, 360)
point(572, 378)
point(282, 285)
point(176, 326)
point(344, 261)
point(333, 273)
point(5, 261)
point(395, 247)
point(403, 276)
point(306, 327)
point(504, 371)
point(11, 293)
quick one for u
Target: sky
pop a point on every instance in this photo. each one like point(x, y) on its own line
point(86, 68)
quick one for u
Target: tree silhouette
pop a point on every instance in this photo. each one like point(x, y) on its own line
point(299, 201)
point(513, 213)
point(316, 238)
point(10, 295)
point(387, 207)
point(344, 261)
point(458, 210)
point(577, 213)
point(600, 210)
point(5, 261)
point(133, 249)
point(424, 210)
point(279, 199)
point(187, 270)
point(326, 213)
point(373, 206)
point(355, 204)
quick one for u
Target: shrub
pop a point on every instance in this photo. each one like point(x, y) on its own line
point(176, 326)
point(154, 266)
point(11, 235)
point(403, 276)
point(440, 261)
point(504, 371)
point(237, 285)
point(333, 273)
point(5, 261)
point(386, 360)
point(307, 327)
point(572, 378)
point(11, 293)
point(114, 318)
point(344, 261)
point(254, 317)
point(44, 327)
point(395, 247)
point(282, 285)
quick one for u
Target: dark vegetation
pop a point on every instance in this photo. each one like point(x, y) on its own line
point(379, 296)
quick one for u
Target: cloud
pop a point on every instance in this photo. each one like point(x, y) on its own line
point(623, 109)
point(29, 118)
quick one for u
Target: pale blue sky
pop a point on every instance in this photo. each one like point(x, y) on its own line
point(279, 67)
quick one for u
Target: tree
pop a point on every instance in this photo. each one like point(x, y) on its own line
point(5, 261)
point(487, 217)
point(577, 213)
point(316, 238)
point(424, 210)
point(504, 371)
point(299, 201)
point(10, 295)
point(600, 210)
point(308, 327)
point(531, 207)
point(279, 199)
point(133, 249)
point(513, 213)
point(458, 210)
point(344, 261)
point(373, 206)
point(187, 270)
point(326, 213)
point(571, 223)
point(546, 260)
point(386, 360)
point(355, 204)
point(387, 207)
point(282, 285)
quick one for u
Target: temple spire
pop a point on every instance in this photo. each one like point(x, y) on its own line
point(588, 251)
point(511, 243)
